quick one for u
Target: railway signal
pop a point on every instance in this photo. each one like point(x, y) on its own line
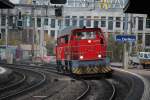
point(58, 12)
point(19, 15)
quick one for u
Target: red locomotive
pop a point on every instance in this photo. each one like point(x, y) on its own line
point(82, 51)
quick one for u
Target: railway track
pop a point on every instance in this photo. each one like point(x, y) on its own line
point(19, 78)
point(121, 85)
point(132, 85)
point(87, 86)
point(80, 97)
point(30, 80)
point(99, 90)
point(79, 94)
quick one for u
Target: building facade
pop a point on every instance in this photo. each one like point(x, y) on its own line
point(37, 21)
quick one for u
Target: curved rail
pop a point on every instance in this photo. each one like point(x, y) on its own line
point(133, 82)
point(85, 92)
point(16, 83)
point(114, 90)
point(29, 88)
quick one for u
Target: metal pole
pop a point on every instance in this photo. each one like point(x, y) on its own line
point(33, 21)
point(7, 19)
point(41, 35)
point(125, 65)
point(131, 25)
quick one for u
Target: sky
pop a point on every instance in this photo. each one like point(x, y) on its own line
point(14, 1)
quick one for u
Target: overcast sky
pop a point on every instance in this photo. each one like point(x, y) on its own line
point(14, 1)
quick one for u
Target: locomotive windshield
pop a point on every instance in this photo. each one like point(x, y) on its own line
point(86, 35)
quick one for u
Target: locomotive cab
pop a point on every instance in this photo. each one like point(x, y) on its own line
point(89, 44)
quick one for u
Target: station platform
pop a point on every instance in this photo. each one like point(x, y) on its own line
point(5, 75)
point(116, 64)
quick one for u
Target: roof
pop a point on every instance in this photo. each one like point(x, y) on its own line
point(137, 6)
point(67, 30)
point(5, 4)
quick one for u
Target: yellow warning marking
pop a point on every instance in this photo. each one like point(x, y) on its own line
point(102, 70)
point(106, 69)
point(91, 70)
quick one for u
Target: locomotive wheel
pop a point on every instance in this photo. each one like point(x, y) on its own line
point(58, 70)
point(62, 68)
point(58, 66)
point(70, 67)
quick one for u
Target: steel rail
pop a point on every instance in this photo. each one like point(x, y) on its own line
point(114, 90)
point(85, 92)
point(29, 88)
point(16, 83)
point(51, 69)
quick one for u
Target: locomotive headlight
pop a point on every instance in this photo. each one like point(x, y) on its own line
point(99, 56)
point(89, 41)
point(81, 57)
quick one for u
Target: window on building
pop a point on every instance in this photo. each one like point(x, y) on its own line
point(140, 23)
point(3, 20)
point(74, 20)
point(118, 21)
point(52, 33)
point(96, 22)
point(59, 23)
point(124, 23)
point(32, 22)
point(139, 38)
point(3, 31)
point(25, 21)
point(53, 23)
point(134, 22)
point(45, 35)
point(67, 20)
point(110, 23)
point(46, 21)
point(103, 21)
point(147, 39)
point(147, 23)
point(88, 21)
point(10, 21)
point(81, 21)
point(38, 22)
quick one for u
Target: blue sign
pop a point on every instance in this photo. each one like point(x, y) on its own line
point(125, 38)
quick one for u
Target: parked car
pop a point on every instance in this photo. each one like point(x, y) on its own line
point(141, 58)
point(134, 59)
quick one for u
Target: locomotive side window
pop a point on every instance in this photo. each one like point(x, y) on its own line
point(66, 39)
point(102, 41)
point(62, 40)
point(58, 41)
